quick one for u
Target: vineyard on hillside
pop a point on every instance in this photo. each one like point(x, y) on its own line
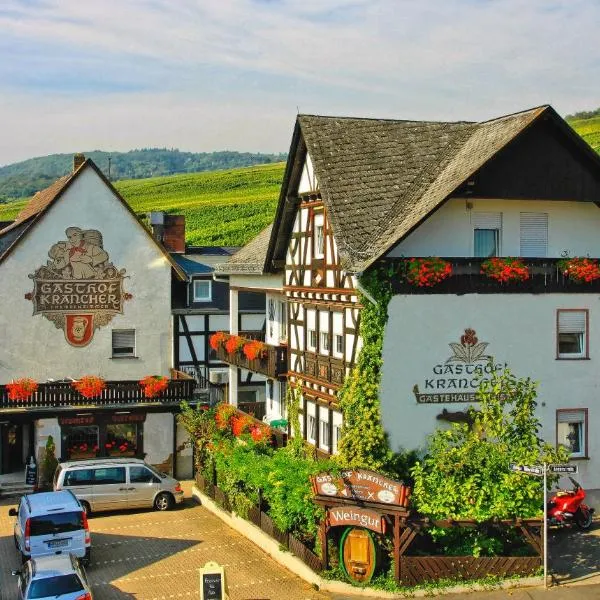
point(222, 208)
point(589, 130)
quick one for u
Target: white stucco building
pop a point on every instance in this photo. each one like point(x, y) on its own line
point(85, 290)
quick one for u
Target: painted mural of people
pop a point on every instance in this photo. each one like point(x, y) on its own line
point(81, 257)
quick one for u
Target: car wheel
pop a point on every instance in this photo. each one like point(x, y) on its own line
point(583, 519)
point(163, 501)
point(87, 509)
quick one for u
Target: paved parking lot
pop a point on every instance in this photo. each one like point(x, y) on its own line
point(149, 555)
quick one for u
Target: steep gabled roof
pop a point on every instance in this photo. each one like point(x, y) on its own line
point(249, 260)
point(43, 200)
point(379, 179)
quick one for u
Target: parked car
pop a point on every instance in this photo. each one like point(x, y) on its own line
point(51, 523)
point(118, 483)
point(51, 577)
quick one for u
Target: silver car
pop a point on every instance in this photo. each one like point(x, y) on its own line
point(116, 484)
point(50, 577)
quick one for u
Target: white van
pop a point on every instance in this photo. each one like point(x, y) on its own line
point(117, 484)
point(51, 523)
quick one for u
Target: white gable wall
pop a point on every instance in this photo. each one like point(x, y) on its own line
point(33, 347)
point(572, 227)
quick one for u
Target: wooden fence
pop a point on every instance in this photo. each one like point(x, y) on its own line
point(265, 522)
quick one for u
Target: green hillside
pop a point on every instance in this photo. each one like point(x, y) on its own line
point(589, 130)
point(222, 208)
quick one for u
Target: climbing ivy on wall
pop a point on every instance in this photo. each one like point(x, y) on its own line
point(364, 443)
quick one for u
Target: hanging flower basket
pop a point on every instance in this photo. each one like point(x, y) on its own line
point(217, 339)
point(234, 344)
point(21, 389)
point(427, 272)
point(154, 385)
point(580, 270)
point(255, 349)
point(90, 386)
point(505, 270)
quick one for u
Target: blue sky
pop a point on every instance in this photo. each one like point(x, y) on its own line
point(231, 74)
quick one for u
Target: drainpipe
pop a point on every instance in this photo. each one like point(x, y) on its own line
point(363, 291)
point(174, 445)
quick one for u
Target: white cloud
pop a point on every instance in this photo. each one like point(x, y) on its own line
point(244, 61)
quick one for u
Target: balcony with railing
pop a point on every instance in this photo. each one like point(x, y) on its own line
point(270, 360)
point(62, 395)
point(545, 276)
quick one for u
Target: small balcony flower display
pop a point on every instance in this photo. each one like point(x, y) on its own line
point(241, 424)
point(580, 270)
point(255, 349)
point(217, 339)
point(21, 389)
point(427, 272)
point(90, 386)
point(234, 344)
point(154, 385)
point(505, 270)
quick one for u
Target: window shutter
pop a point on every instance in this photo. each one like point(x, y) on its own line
point(571, 416)
point(123, 338)
point(534, 234)
point(487, 220)
point(571, 321)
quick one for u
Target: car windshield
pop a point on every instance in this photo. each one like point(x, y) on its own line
point(55, 586)
point(56, 523)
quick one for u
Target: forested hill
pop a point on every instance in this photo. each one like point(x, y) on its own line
point(23, 179)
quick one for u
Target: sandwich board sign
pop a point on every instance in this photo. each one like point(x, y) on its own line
point(563, 469)
point(212, 582)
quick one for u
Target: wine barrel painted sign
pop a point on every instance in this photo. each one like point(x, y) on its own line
point(364, 485)
point(358, 554)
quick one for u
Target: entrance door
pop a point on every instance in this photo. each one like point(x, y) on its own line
point(12, 447)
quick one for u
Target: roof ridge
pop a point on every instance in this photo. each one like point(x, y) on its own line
point(386, 120)
point(541, 107)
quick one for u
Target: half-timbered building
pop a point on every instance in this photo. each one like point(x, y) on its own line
point(361, 194)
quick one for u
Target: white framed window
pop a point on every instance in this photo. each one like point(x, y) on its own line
point(572, 334)
point(571, 431)
point(534, 234)
point(324, 341)
point(282, 321)
point(311, 434)
point(319, 236)
point(324, 439)
point(312, 339)
point(339, 344)
point(123, 343)
point(202, 290)
point(487, 229)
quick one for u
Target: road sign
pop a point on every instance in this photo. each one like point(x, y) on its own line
point(564, 469)
point(530, 470)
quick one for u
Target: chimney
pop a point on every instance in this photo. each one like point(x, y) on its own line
point(173, 235)
point(157, 224)
point(78, 160)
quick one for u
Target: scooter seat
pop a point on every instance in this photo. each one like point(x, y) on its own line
point(564, 493)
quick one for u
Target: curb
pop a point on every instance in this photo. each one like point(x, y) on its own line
point(257, 536)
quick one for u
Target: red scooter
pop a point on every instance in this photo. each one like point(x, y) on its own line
point(567, 507)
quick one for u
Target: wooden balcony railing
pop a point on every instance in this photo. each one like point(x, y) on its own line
point(324, 368)
point(273, 366)
point(116, 394)
point(545, 277)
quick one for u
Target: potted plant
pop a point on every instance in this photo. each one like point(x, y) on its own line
point(21, 389)
point(428, 271)
point(153, 385)
point(505, 270)
point(580, 270)
point(90, 386)
point(255, 349)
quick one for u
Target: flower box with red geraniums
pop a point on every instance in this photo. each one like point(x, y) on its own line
point(119, 448)
point(260, 433)
point(427, 272)
point(217, 339)
point(223, 415)
point(21, 389)
point(580, 270)
point(234, 344)
point(241, 424)
point(255, 349)
point(154, 385)
point(505, 270)
point(90, 386)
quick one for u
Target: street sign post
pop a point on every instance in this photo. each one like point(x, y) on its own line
point(540, 471)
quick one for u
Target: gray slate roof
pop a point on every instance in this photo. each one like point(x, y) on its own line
point(380, 178)
point(249, 260)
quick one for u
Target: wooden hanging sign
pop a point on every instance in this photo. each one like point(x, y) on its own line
point(355, 516)
point(360, 484)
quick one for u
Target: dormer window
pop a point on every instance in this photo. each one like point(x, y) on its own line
point(487, 227)
point(202, 290)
